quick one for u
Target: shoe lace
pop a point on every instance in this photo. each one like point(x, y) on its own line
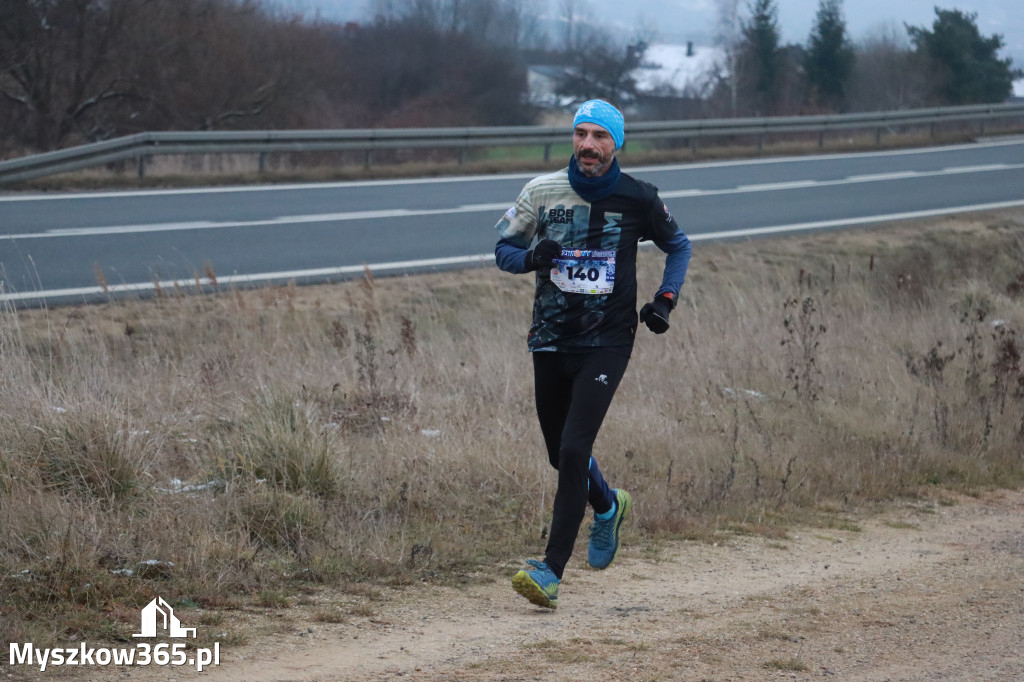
point(547, 577)
point(601, 532)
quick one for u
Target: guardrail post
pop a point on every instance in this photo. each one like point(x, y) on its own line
point(821, 139)
point(547, 152)
point(462, 156)
point(142, 166)
point(262, 162)
point(878, 136)
point(366, 158)
point(693, 144)
point(760, 141)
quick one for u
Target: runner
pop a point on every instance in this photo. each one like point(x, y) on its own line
point(578, 229)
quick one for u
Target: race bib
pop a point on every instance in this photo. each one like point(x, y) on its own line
point(578, 271)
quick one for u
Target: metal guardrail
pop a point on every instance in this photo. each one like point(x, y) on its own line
point(143, 145)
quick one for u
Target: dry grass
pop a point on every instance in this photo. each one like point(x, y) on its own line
point(259, 443)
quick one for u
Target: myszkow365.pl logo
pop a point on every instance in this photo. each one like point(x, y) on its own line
point(156, 616)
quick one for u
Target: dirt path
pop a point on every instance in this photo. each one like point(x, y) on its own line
point(923, 592)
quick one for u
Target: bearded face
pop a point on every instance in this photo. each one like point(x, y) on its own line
point(594, 148)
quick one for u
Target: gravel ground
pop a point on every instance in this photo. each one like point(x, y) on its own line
point(926, 590)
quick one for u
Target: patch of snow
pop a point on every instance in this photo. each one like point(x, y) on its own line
point(746, 391)
point(179, 486)
point(666, 68)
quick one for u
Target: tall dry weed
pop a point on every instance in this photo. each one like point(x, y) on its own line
point(284, 443)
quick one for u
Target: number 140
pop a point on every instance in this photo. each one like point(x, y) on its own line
point(591, 274)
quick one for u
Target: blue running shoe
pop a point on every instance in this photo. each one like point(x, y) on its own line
point(604, 534)
point(540, 585)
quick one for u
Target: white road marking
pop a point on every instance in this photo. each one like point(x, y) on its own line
point(851, 180)
point(772, 186)
point(852, 222)
point(171, 284)
point(281, 220)
point(898, 175)
point(474, 208)
point(479, 258)
point(828, 157)
point(975, 169)
point(128, 193)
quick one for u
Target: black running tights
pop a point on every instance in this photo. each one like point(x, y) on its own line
point(573, 393)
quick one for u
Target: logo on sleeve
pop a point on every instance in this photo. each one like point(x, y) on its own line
point(510, 214)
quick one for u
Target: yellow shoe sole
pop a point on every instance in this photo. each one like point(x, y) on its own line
point(524, 585)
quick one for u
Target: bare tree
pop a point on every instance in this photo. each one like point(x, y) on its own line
point(516, 24)
point(383, 10)
point(645, 30)
point(569, 12)
point(531, 33)
point(212, 64)
point(886, 74)
point(60, 66)
point(602, 69)
point(727, 36)
point(406, 74)
point(81, 70)
point(499, 21)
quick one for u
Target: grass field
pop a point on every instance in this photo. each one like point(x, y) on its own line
point(254, 445)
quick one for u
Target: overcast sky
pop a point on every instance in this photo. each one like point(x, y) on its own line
point(682, 20)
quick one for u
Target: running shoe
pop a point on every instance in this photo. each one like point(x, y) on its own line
point(604, 534)
point(539, 585)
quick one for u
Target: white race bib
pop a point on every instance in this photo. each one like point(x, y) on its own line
point(579, 271)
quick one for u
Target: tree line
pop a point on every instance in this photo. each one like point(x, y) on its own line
point(74, 71)
point(949, 63)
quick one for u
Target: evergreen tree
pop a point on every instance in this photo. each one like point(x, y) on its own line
point(760, 60)
point(828, 62)
point(964, 64)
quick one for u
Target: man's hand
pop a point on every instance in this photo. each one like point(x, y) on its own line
point(655, 314)
point(542, 255)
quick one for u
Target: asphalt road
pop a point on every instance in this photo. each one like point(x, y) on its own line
point(53, 245)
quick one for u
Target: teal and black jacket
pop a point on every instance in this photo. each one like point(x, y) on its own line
point(549, 208)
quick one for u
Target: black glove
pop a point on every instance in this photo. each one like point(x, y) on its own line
point(655, 314)
point(540, 256)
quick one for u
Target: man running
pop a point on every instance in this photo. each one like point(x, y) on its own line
point(578, 229)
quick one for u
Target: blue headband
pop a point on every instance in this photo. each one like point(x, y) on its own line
point(601, 113)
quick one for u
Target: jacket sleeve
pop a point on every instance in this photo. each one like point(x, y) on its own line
point(516, 231)
point(511, 258)
point(676, 263)
point(667, 236)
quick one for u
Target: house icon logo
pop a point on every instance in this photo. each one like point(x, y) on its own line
point(159, 611)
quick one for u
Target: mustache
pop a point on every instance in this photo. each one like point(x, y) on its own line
point(589, 155)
